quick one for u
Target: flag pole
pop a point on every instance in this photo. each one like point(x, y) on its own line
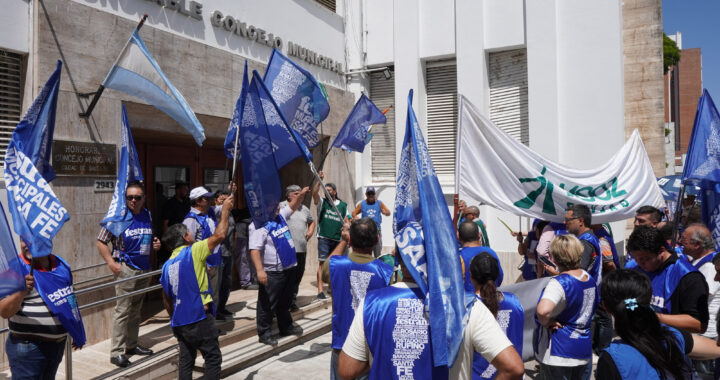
point(101, 88)
point(676, 217)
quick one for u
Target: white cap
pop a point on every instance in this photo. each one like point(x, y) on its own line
point(200, 192)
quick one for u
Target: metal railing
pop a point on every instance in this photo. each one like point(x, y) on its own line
point(68, 344)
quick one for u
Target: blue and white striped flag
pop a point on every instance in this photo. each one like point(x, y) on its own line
point(136, 73)
point(426, 240)
point(118, 217)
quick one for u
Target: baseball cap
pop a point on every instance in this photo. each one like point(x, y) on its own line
point(199, 192)
point(370, 189)
point(291, 189)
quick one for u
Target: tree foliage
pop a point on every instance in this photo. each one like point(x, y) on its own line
point(671, 53)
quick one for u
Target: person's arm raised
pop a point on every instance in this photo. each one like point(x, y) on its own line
point(222, 227)
point(297, 201)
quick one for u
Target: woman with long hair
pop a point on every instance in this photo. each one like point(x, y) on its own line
point(646, 349)
point(562, 341)
point(504, 306)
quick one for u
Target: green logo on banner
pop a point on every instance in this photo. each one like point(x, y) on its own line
point(546, 186)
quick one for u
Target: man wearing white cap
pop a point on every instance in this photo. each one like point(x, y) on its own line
point(200, 222)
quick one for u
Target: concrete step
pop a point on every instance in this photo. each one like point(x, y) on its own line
point(314, 318)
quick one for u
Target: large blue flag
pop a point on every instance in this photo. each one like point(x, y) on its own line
point(426, 240)
point(261, 180)
point(353, 135)
point(702, 166)
point(231, 150)
point(136, 73)
point(301, 98)
point(11, 272)
point(118, 217)
point(36, 128)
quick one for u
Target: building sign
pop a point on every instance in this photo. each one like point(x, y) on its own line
point(104, 185)
point(254, 33)
point(74, 158)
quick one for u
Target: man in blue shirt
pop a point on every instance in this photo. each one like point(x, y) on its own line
point(372, 208)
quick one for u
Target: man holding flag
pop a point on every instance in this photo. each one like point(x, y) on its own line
point(128, 226)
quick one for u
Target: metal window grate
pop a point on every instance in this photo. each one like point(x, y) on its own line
point(507, 75)
point(382, 145)
point(10, 97)
point(329, 4)
point(442, 111)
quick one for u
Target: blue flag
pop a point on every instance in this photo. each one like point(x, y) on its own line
point(426, 240)
point(702, 166)
point(118, 217)
point(11, 271)
point(231, 137)
point(36, 128)
point(353, 135)
point(301, 98)
point(136, 73)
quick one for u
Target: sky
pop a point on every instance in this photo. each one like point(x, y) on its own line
point(699, 23)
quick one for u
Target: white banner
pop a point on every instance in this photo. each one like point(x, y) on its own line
point(499, 171)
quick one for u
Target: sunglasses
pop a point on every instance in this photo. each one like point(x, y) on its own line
point(134, 197)
point(573, 218)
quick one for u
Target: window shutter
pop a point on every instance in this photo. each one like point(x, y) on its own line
point(10, 97)
point(442, 109)
point(329, 4)
point(382, 145)
point(507, 72)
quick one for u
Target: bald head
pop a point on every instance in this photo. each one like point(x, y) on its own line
point(471, 213)
point(468, 232)
point(697, 240)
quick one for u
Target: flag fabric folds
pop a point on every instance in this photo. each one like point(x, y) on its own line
point(353, 136)
point(36, 128)
point(136, 73)
point(11, 271)
point(525, 183)
point(231, 150)
point(118, 217)
point(300, 97)
point(702, 166)
point(426, 240)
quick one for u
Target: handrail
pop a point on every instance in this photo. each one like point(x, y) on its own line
point(129, 294)
point(108, 284)
point(92, 280)
point(88, 267)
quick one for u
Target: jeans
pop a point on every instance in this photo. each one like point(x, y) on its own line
point(274, 299)
point(202, 336)
point(299, 272)
point(225, 283)
point(33, 359)
point(334, 355)
point(550, 372)
point(325, 248)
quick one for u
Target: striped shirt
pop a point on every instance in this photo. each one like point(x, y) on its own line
point(35, 318)
point(106, 237)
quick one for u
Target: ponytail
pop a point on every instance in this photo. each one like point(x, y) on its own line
point(490, 296)
point(484, 270)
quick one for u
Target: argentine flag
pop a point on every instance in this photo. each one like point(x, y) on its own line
point(136, 73)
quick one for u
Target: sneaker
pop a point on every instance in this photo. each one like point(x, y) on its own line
point(268, 339)
point(294, 330)
point(321, 296)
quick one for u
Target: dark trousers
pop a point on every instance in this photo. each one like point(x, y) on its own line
point(299, 272)
point(550, 372)
point(225, 282)
point(274, 300)
point(203, 336)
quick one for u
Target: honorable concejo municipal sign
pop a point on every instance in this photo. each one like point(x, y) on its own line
point(75, 158)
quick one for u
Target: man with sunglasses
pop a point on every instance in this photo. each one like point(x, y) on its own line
point(132, 255)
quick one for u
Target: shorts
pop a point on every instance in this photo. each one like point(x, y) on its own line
point(325, 248)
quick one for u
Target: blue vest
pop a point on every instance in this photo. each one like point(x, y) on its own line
point(372, 211)
point(631, 364)
point(350, 282)
point(529, 271)
point(397, 331)
point(467, 255)
point(559, 228)
point(573, 340)
point(137, 241)
point(206, 231)
point(284, 246)
point(511, 319)
point(180, 284)
point(55, 287)
point(664, 282)
point(706, 259)
point(602, 233)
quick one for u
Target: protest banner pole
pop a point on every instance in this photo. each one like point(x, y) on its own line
point(101, 88)
point(676, 217)
point(456, 204)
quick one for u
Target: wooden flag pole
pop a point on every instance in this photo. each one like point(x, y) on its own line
point(101, 88)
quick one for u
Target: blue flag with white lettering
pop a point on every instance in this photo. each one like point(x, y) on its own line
point(261, 180)
point(300, 97)
point(702, 166)
point(231, 138)
point(426, 240)
point(36, 128)
point(118, 217)
point(353, 135)
point(11, 271)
